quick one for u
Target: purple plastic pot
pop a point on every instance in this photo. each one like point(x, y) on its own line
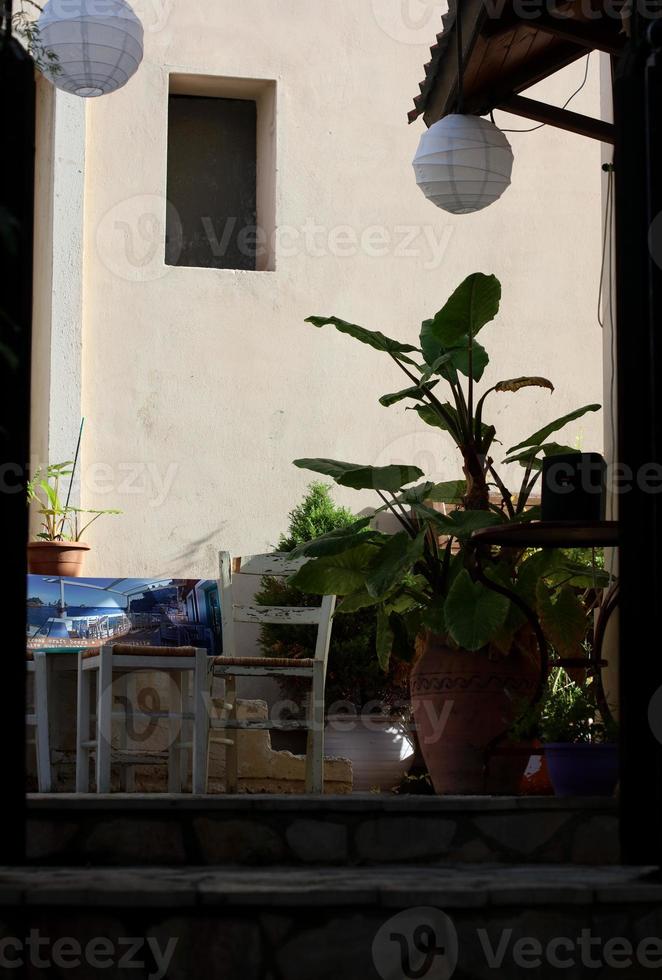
point(582, 769)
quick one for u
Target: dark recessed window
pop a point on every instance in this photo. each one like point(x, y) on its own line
point(212, 183)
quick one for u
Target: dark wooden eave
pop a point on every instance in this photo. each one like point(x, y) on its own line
point(504, 54)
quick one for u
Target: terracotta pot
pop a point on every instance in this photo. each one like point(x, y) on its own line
point(536, 781)
point(380, 749)
point(477, 698)
point(505, 773)
point(57, 558)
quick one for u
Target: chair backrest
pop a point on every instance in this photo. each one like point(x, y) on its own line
point(278, 565)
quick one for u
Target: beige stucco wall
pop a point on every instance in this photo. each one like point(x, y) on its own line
point(200, 386)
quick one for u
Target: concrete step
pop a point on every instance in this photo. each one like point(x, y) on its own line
point(295, 831)
point(325, 923)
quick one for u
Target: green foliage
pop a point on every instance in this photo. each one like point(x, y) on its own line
point(317, 514)
point(473, 613)
point(427, 573)
point(562, 617)
point(397, 555)
point(360, 477)
point(449, 492)
point(538, 438)
point(355, 673)
point(60, 521)
point(473, 304)
point(339, 574)
point(569, 712)
point(25, 27)
point(373, 338)
point(416, 391)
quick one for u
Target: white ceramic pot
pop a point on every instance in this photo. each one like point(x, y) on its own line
point(380, 749)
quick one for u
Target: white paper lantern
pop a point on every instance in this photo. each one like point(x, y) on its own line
point(98, 44)
point(463, 163)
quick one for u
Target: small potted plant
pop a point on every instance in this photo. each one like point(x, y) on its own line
point(580, 746)
point(367, 709)
point(58, 549)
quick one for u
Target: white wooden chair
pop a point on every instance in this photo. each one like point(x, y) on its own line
point(230, 666)
point(37, 667)
point(114, 668)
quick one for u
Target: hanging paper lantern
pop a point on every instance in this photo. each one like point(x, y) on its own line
point(463, 163)
point(98, 44)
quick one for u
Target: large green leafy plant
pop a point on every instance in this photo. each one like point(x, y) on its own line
point(424, 576)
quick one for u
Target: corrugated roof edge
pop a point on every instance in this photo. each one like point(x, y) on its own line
point(437, 51)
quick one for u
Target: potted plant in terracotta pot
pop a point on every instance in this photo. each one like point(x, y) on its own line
point(367, 708)
point(580, 747)
point(58, 549)
point(475, 653)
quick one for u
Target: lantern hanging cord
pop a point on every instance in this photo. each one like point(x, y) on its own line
point(460, 61)
point(564, 106)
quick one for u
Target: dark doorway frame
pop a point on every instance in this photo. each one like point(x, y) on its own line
point(638, 183)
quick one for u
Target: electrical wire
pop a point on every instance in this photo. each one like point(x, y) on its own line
point(564, 106)
point(605, 236)
point(606, 311)
point(606, 270)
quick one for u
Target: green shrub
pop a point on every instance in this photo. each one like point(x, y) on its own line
point(315, 515)
point(353, 674)
point(568, 712)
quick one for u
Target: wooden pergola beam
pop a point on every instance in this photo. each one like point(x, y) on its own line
point(573, 122)
point(589, 36)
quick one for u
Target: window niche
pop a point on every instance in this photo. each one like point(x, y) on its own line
point(221, 173)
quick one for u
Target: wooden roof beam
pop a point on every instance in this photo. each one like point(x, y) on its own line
point(573, 122)
point(490, 97)
point(591, 36)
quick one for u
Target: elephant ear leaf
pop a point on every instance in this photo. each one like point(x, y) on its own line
point(449, 492)
point(473, 613)
point(418, 392)
point(360, 477)
point(461, 361)
point(542, 434)
point(384, 639)
point(529, 456)
point(514, 384)
point(335, 574)
point(373, 338)
point(563, 619)
point(461, 524)
point(393, 561)
point(336, 541)
point(473, 304)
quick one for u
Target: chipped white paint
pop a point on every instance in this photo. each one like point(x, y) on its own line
point(316, 674)
point(275, 615)
point(274, 564)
